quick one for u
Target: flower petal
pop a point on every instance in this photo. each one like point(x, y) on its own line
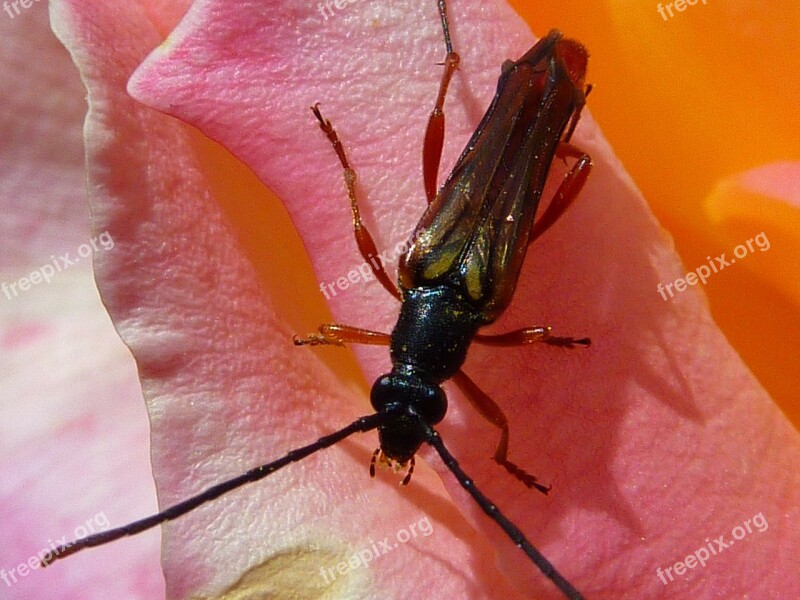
point(691, 93)
point(766, 199)
point(225, 390)
point(73, 430)
point(642, 434)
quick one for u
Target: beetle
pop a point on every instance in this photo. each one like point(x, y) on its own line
point(458, 275)
point(460, 272)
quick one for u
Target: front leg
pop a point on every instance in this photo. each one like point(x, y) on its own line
point(335, 334)
point(366, 245)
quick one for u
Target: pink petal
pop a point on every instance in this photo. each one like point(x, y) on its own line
point(778, 180)
point(224, 389)
point(655, 439)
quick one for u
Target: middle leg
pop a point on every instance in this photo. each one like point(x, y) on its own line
point(530, 335)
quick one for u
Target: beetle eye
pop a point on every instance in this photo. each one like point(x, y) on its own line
point(431, 404)
point(428, 400)
point(386, 391)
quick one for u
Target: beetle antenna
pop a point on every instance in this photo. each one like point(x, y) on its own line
point(445, 26)
point(432, 438)
point(363, 424)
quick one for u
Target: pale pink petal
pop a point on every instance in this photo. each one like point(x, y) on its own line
point(655, 439)
point(73, 429)
point(73, 447)
point(41, 172)
point(778, 180)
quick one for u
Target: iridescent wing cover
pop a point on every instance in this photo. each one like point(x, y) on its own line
point(475, 233)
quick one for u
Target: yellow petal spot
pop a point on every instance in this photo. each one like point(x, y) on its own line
point(298, 575)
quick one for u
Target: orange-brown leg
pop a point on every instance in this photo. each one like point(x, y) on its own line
point(434, 133)
point(568, 190)
point(335, 334)
point(494, 414)
point(530, 335)
point(366, 244)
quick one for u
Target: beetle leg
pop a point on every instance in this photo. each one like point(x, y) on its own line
point(566, 150)
point(530, 335)
point(335, 334)
point(494, 414)
point(434, 133)
point(568, 190)
point(366, 245)
point(577, 114)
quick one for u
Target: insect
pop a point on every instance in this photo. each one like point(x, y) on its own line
point(458, 275)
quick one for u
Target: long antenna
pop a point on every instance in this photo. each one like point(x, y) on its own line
point(511, 530)
point(363, 424)
point(360, 425)
point(445, 27)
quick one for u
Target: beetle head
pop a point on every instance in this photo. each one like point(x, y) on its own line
point(415, 400)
